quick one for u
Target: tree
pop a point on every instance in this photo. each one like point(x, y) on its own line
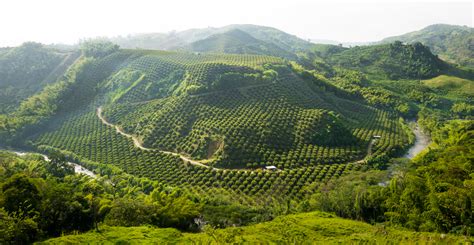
point(17, 229)
point(173, 209)
point(20, 195)
point(98, 48)
point(58, 165)
point(129, 212)
point(63, 213)
point(462, 109)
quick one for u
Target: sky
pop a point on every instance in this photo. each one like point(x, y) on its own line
point(67, 21)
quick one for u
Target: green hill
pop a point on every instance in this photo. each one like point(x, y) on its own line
point(272, 35)
point(25, 70)
point(217, 107)
point(179, 40)
point(226, 111)
point(454, 86)
point(236, 41)
point(306, 228)
point(234, 134)
point(391, 61)
point(452, 43)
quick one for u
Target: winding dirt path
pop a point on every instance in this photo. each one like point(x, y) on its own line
point(138, 144)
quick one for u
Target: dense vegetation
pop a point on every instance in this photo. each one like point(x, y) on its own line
point(33, 205)
point(238, 42)
point(431, 193)
point(451, 43)
point(304, 228)
point(24, 70)
point(182, 139)
point(390, 61)
point(177, 40)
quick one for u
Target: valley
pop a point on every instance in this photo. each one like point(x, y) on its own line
point(235, 131)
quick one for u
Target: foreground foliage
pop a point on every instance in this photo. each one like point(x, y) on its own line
point(432, 193)
point(304, 228)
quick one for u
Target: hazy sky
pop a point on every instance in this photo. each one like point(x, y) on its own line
point(66, 21)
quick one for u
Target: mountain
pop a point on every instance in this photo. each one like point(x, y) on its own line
point(177, 40)
point(452, 43)
point(26, 69)
point(236, 41)
point(392, 61)
point(282, 39)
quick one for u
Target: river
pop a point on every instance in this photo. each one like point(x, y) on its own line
point(421, 142)
point(78, 169)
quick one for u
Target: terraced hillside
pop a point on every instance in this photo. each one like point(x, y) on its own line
point(26, 69)
point(236, 113)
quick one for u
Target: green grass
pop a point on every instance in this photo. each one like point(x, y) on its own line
point(453, 86)
point(306, 228)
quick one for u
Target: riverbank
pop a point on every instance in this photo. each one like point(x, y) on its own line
point(422, 141)
point(78, 169)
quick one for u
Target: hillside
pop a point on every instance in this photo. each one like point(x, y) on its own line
point(390, 61)
point(25, 70)
point(232, 138)
point(216, 108)
point(179, 40)
point(236, 41)
point(223, 111)
point(282, 39)
point(452, 43)
point(302, 228)
point(452, 86)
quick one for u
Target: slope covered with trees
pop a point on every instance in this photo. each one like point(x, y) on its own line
point(236, 41)
point(24, 71)
point(431, 193)
point(390, 61)
point(452, 43)
point(178, 40)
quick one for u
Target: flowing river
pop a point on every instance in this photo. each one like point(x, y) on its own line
point(78, 169)
point(421, 142)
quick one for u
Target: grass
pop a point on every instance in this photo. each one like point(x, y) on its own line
point(454, 85)
point(306, 228)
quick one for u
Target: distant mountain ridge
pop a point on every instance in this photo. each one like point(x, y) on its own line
point(267, 36)
point(452, 43)
point(393, 61)
point(237, 41)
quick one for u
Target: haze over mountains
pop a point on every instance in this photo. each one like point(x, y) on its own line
point(451, 43)
point(177, 40)
point(457, 41)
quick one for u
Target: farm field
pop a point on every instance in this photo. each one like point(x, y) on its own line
point(236, 130)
